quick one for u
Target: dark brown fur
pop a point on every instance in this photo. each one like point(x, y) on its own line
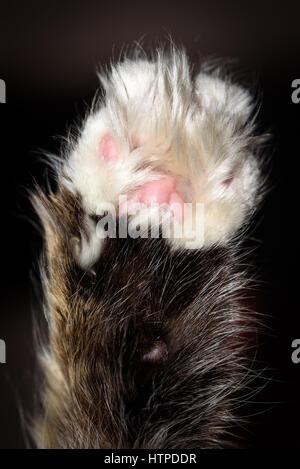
point(151, 351)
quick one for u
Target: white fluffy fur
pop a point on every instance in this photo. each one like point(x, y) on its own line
point(195, 129)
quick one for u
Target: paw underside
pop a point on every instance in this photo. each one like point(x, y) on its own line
point(166, 154)
point(153, 206)
point(176, 163)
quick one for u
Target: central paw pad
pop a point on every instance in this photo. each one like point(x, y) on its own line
point(159, 192)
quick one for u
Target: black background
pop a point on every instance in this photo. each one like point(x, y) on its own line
point(49, 52)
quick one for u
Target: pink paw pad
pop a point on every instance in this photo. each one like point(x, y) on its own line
point(108, 149)
point(162, 191)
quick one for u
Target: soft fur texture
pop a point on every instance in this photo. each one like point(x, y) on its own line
point(148, 341)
